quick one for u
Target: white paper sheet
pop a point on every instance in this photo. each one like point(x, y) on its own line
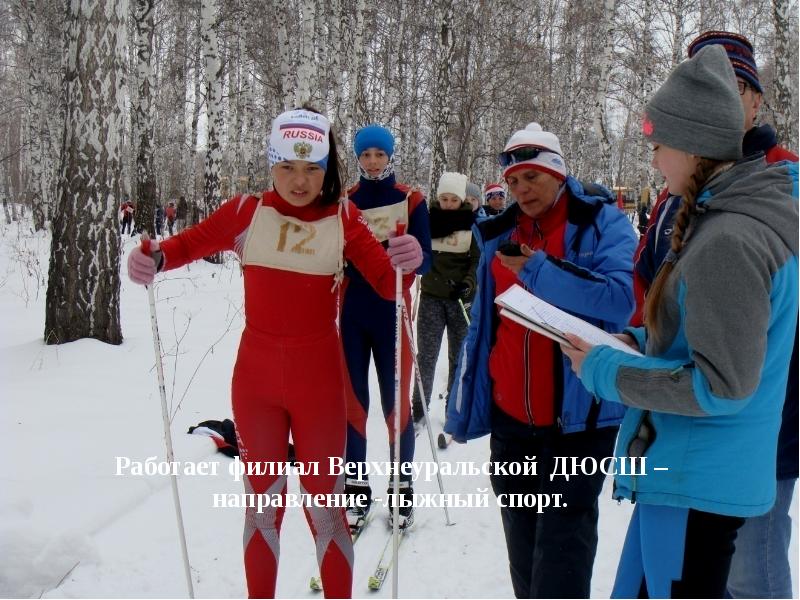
point(534, 313)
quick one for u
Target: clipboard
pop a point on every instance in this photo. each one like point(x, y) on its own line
point(527, 309)
point(541, 328)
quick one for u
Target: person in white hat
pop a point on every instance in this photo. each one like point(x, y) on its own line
point(572, 247)
point(292, 242)
point(448, 288)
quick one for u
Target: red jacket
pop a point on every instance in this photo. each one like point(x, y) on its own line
point(281, 302)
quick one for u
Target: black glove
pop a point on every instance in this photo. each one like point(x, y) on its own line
point(460, 290)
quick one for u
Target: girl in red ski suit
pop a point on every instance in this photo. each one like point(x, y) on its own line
point(289, 373)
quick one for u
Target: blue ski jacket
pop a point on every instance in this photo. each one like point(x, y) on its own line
point(593, 281)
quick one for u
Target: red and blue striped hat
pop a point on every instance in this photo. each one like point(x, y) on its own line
point(740, 53)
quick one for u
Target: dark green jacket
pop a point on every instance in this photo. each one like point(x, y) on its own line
point(451, 268)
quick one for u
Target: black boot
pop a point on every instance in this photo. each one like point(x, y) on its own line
point(359, 501)
point(406, 509)
point(418, 412)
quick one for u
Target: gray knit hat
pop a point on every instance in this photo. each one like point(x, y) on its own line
point(698, 109)
point(473, 190)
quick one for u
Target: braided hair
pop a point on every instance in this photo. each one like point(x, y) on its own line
point(688, 211)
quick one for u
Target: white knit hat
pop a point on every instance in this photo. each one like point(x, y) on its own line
point(452, 183)
point(549, 160)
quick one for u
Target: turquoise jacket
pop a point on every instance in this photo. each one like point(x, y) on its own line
point(705, 402)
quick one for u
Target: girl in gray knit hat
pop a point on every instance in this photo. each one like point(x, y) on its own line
point(705, 400)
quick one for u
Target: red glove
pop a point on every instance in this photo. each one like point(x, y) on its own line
point(142, 261)
point(405, 252)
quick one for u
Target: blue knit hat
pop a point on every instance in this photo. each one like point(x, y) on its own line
point(373, 136)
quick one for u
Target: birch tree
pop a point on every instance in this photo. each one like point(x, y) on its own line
point(305, 70)
point(288, 79)
point(35, 126)
point(213, 70)
point(199, 101)
point(83, 283)
point(645, 92)
point(145, 117)
point(181, 98)
point(441, 110)
point(784, 107)
point(603, 69)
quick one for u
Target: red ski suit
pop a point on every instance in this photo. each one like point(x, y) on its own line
point(289, 373)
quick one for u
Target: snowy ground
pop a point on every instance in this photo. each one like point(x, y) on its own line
point(70, 528)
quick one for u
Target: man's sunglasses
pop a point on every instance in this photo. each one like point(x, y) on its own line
point(495, 195)
point(512, 157)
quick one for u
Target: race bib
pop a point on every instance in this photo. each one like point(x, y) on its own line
point(281, 242)
point(458, 242)
point(383, 219)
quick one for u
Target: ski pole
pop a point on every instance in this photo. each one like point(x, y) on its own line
point(425, 410)
point(463, 310)
point(415, 308)
point(398, 349)
point(165, 415)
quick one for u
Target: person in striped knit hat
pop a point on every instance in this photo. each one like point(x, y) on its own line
point(495, 197)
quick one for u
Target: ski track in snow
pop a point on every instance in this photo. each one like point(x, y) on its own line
point(70, 527)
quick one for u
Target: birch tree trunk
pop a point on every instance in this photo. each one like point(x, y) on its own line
point(355, 70)
point(784, 109)
point(83, 281)
point(132, 145)
point(248, 150)
point(213, 69)
point(197, 203)
point(35, 130)
point(145, 118)
point(306, 69)
point(288, 76)
point(232, 153)
point(679, 14)
point(336, 61)
point(645, 92)
point(181, 99)
point(601, 90)
point(441, 110)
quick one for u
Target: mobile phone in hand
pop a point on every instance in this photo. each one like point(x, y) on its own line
point(510, 249)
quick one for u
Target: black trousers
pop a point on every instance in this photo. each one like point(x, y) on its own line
point(550, 554)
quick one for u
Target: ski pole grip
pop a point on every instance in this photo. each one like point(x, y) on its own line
point(400, 228)
point(146, 247)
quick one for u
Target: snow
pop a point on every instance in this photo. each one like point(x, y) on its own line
point(70, 527)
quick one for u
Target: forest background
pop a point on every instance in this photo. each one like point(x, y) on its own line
point(156, 99)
